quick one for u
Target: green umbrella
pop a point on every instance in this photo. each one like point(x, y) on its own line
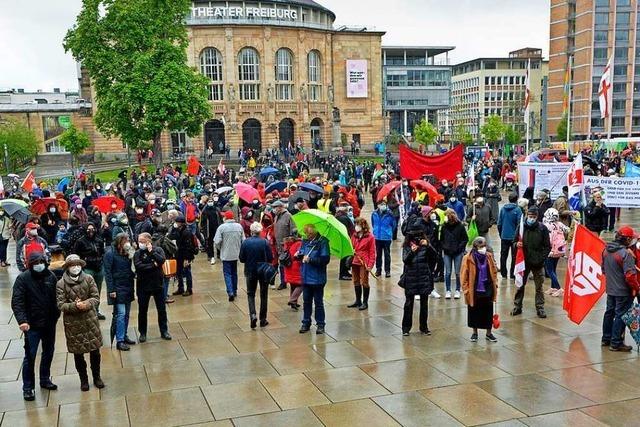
point(16, 201)
point(329, 227)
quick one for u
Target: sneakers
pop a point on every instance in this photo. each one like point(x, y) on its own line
point(387, 275)
point(557, 293)
point(142, 338)
point(624, 348)
point(48, 385)
point(122, 346)
point(213, 260)
point(456, 295)
point(166, 336)
point(447, 295)
point(435, 294)
point(474, 338)
point(264, 323)
point(29, 395)
point(542, 314)
point(405, 334)
point(320, 330)
point(187, 294)
point(363, 307)
point(516, 311)
point(231, 298)
point(426, 332)
point(304, 329)
point(491, 338)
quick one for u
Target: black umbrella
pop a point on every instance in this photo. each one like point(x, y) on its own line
point(17, 212)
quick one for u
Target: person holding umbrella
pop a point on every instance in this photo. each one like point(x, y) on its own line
point(364, 258)
point(383, 224)
point(315, 256)
point(50, 220)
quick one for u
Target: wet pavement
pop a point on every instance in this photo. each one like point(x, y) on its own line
point(218, 372)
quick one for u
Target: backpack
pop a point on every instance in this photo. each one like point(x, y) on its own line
point(32, 246)
point(190, 212)
point(558, 242)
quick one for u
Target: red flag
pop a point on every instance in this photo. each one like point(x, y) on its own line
point(29, 181)
point(193, 166)
point(414, 165)
point(585, 283)
point(519, 269)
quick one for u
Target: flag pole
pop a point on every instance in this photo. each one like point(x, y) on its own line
point(610, 95)
point(569, 67)
point(528, 101)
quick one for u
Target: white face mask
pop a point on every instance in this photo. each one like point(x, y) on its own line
point(176, 225)
point(52, 210)
point(127, 246)
point(39, 268)
point(209, 203)
point(434, 217)
point(139, 211)
point(33, 232)
point(358, 229)
point(482, 251)
point(75, 270)
point(78, 206)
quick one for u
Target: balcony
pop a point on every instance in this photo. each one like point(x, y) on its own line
point(317, 107)
point(286, 107)
point(251, 107)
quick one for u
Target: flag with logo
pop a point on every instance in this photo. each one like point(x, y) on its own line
point(585, 283)
point(604, 91)
point(575, 182)
point(471, 178)
point(519, 269)
point(566, 89)
point(527, 94)
point(29, 181)
point(631, 170)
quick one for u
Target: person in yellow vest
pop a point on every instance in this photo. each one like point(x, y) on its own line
point(252, 163)
point(326, 203)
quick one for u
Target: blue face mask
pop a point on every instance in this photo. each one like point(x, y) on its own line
point(530, 221)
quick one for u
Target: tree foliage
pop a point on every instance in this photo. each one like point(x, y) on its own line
point(21, 142)
point(135, 54)
point(75, 142)
point(512, 136)
point(425, 133)
point(493, 129)
point(393, 138)
point(561, 130)
point(461, 134)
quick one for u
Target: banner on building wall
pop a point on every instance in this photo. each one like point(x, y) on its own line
point(540, 176)
point(357, 78)
point(52, 128)
point(616, 192)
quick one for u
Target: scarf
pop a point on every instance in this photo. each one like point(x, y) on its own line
point(482, 267)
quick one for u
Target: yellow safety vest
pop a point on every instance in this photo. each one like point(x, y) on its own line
point(324, 205)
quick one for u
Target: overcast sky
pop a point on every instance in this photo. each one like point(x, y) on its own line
point(33, 58)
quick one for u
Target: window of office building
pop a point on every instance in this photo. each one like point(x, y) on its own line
point(601, 36)
point(636, 87)
point(619, 105)
point(622, 35)
point(636, 104)
point(600, 53)
point(314, 68)
point(623, 3)
point(597, 122)
point(602, 3)
point(620, 70)
point(635, 121)
point(211, 67)
point(602, 18)
point(284, 75)
point(619, 88)
point(249, 74)
point(416, 78)
point(622, 53)
point(617, 121)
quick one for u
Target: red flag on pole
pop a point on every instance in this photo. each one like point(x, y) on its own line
point(193, 167)
point(519, 269)
point(29, 181)
point(585, 283)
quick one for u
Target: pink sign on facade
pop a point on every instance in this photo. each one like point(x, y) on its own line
point(357, 78)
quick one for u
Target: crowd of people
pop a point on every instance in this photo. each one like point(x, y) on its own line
point(140, 233)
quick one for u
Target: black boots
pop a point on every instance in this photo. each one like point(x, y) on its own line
point(358, 302)
point(81, 367)
point(365, 299)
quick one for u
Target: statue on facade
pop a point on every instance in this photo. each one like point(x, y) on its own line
point(336, 114)
point(330, 93)
point(303, 93)
point(270, 93)
point(232, 93)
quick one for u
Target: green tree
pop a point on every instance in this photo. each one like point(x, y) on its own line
point(561, 130)
point(75, 143)
point(425, 133)
point(21, 145)
point(493, 129)
point(512, 136)
point(135, 54)
point(393, 138)
point(461, 134)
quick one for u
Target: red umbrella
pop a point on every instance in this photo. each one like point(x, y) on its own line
point(40, 206)
point(429, 188)
point(104, 203)
point(247, 192)
point(388, 188)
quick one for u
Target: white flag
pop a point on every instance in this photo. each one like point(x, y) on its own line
point(527, 94)
point(604, 91)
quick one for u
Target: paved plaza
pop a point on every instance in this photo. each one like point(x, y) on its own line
point(218, 372)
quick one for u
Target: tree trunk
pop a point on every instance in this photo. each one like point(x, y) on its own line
point(157, 152)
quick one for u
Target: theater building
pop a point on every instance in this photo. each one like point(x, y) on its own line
point(280, 72)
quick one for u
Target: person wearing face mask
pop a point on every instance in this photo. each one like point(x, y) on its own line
point(121, 226)
point(482, 214)
point(187, 250)
point(445, 189)
point(543, 202)
point(34, 306)
point(90, 248)
point(454, 242)
point(537, 246)
point(479, 276)
point(283, 227)
point(30, 243)
point(383, 224)
point(341, 216)
point(139, 217)
point(210, 220)
point(596, 215)
point(50, 220)
point(78, 297)
point(5, 235)
point(457, 206)
point(492, 197)
point(119, 279)
point(508, 223)
point(364, 258)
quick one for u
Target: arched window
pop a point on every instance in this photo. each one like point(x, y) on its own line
point(211, 67)
point(314, 68)
point(284, 75)
point(249, 74)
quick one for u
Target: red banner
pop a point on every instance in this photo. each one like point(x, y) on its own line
point(193, 166)
point(414, 165)
point(585, 283)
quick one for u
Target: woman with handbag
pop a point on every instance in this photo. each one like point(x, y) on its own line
point(254, 252)
point(292, 269)
point(479, 277)
point(364, 258)
point(419, 259)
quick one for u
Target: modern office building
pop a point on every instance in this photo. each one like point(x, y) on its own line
point(590, 31)
point(416, 84)
point(496, 86)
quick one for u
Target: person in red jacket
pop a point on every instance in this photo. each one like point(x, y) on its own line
point(292, 273)
point(364, 258)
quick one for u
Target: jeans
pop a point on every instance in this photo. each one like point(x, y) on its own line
point(507, 246)
point(383, 247)
point(252, 287)
point(550, 266)
point(612, 218)
point(143, 307)
point(538, 279)
point(612, 324)
point(184, 273)
point(313, 295)
point(452, 261)
point(97, 275)
point(407, 318)
point(3, 250)
point(32, 339)
point(121, 314)
point(230, 273)
point(165, 287)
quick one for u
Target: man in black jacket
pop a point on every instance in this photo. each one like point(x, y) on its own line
point(35, 308)
point(183, 237)
point(536, 245)
point(148, 261)
point(90, 248)
point(341, 215)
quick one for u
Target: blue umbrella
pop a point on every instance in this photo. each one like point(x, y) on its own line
point(64, 182)
point(277, 186)
point(268, 171)
point(311, 187)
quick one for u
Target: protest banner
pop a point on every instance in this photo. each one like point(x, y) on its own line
point(550, 176)
point(617, 192)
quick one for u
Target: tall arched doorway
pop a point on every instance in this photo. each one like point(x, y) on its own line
point(252, 135)
point(214, 136)
point(286, 130)
point(316, 133)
